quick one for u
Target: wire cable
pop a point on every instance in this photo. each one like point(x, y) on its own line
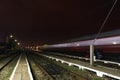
point(105, 21)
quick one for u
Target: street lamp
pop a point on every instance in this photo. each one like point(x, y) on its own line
point(15, 40)
point(18, 43)
point(11, 36)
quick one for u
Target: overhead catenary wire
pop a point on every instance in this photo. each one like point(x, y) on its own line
point(106, 18)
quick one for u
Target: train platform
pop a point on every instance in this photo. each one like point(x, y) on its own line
point(21, 70)
point(111, 72)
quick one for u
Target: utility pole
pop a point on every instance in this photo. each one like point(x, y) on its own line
point(91, 55)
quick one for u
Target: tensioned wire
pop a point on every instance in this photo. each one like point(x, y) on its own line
point(106, 18)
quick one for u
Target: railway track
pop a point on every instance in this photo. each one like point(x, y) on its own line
point(82, 61)
point(38, 72)
point(98, 63)
point(53, 71)
point(7, 64)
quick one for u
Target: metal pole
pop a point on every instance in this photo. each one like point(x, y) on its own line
point(91, 55)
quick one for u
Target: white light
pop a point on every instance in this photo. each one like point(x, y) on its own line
point(11, 36)
point(15, 40)
point(78, 44)
point(114, 42)
point(18, 43)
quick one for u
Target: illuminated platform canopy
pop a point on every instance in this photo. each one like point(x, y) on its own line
point(106, 38)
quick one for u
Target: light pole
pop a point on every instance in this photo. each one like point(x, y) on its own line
point(91, 55)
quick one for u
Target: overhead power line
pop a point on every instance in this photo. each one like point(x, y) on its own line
point(105, 21)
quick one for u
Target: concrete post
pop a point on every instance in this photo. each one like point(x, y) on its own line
point(91, 55)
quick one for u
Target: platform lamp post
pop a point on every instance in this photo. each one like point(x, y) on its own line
point(18, 43)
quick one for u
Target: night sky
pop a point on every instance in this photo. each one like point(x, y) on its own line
point(51, 21)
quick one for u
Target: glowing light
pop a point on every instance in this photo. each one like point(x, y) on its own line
point(15, 40)
point(11, 36)
point(114, 42)
point(102, 41)
point(37, 48)
point(18, 43)
point(78, 44)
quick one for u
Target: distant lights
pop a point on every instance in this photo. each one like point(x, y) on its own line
point(18, 43)
point(15, 40)
point(78, 44)
point(114, 42)
point(11, 36)
point(33, 47)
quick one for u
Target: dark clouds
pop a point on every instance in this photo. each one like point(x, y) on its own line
point(49, 21)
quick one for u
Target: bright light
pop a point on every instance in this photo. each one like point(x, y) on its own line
point(114, 42)
point(18, 43)
point(78, 44)
point(37, 48)
point(11, 36)
point(15, 40)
